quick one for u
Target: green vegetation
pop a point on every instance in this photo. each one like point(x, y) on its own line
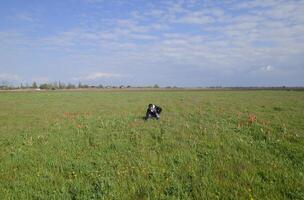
point(207, 145)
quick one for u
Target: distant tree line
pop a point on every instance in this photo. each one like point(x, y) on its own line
point(257, 88)
point(4, 85)
point(56, 86)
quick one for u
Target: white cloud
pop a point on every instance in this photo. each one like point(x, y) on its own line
point(195, 18)
point(94, 1)
point(268, 68)
point(31, 16)
point(97, 75)
point(256, 4)
point(26, 17)
point(40, 79)
point(9, 77)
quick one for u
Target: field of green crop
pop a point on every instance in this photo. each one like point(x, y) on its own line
point(207, 145)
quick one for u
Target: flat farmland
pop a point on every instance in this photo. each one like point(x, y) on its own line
point(207, 145)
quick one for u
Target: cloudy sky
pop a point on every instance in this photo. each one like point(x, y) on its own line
point(141, 42)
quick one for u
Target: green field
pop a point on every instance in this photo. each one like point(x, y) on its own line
point(207, 145)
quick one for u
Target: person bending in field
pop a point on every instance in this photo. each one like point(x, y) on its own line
point(153, 111)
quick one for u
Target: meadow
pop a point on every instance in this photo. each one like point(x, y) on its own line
point(207, 145)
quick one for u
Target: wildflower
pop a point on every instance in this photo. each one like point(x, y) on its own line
point(251, 118)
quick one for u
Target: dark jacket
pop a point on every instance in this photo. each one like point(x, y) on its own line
point(153, 111)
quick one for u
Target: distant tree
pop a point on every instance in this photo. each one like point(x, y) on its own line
point(128, 86)
point(61, 85)
point(44, 86)
point(70, 86)
point(55, 85)
point(4, 85)
point(100, 86)
point(34, 85)
point(49, 86)
point(155, 86)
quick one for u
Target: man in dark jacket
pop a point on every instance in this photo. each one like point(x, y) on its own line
point(153, 111)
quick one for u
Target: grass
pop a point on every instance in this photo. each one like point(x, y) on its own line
point(207, 145)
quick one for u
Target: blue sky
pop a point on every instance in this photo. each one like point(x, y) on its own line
point(140, 42)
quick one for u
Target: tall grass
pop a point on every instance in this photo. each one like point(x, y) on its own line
point(207, 145)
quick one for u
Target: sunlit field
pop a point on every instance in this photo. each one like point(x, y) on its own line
point(207, 145)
